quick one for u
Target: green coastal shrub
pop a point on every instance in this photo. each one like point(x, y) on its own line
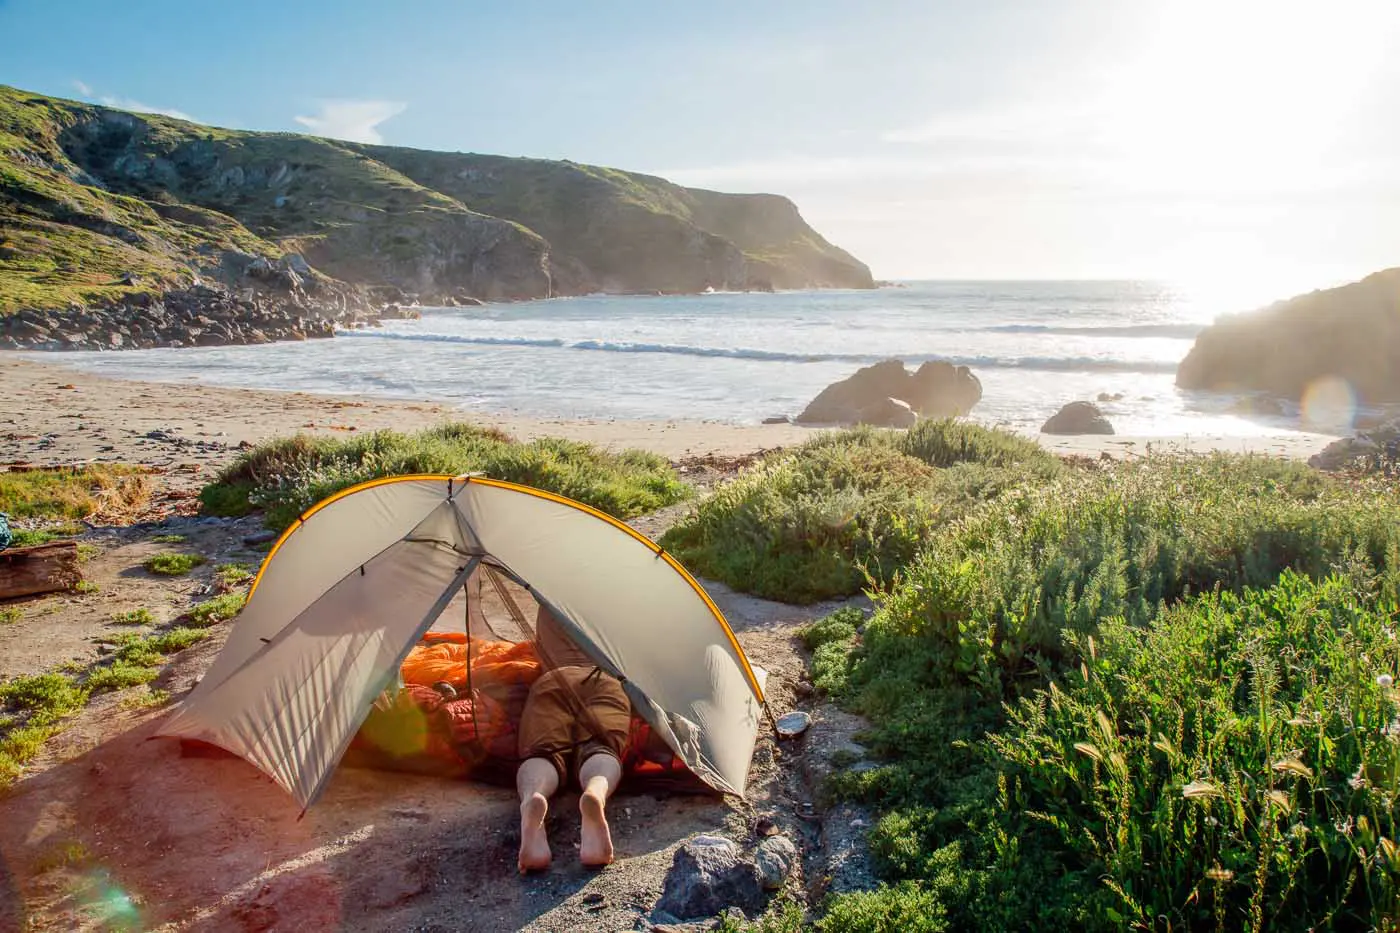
point(988, 598)
point(1123, 699)
point(849, 508)
point(1234, 762)
point(285, 477)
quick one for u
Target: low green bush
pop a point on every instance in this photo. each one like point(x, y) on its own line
point(906, 907)
point(231, 575)
point(46, 697)
point(849, 508)
point(134, 617)
point(119, 675)
point(219, 609)
point(1124, 699)
point(1233, 763)
point(286, 477)
point(839, 626)
point(173, 565)
point(988, 598)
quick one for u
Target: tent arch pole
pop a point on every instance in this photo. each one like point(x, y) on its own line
point(655, 549)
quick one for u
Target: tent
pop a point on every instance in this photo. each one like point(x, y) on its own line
point(357, 580)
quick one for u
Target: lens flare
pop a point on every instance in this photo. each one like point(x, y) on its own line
point(1329, 405)
point(116, 908)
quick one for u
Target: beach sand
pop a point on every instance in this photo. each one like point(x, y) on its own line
point(53, 413)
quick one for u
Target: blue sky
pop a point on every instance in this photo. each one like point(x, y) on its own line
point(1219, 141)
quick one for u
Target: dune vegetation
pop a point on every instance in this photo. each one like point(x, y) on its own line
point(849, 507)
point(287, 476)
point(1148, 695)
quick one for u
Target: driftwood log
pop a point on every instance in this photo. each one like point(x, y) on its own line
point(44, 568)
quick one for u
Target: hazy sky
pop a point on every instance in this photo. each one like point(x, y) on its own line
point(1207, 140)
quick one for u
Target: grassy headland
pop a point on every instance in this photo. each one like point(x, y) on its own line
point(99, 207)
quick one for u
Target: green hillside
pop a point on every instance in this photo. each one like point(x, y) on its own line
point(98, 205)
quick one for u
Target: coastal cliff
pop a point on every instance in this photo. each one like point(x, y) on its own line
point(1350, 333)
point(105, 213)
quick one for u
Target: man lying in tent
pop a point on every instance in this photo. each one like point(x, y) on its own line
point(576, 723)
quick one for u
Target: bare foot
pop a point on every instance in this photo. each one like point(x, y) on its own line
point(534, 844)
point(595, 843)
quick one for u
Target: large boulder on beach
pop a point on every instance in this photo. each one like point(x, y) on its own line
point(937, 389)
point(1077, 418)
point(1349, 334)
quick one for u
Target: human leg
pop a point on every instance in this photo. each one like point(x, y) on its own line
point(598, 776)
point(535, 781)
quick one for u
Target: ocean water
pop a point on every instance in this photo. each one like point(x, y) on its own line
point(741, 357)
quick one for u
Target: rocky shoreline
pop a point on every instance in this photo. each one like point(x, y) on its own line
point(259, 301)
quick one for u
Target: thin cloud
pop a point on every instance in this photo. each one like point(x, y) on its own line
point(354, 120)
point(82, 87)
point(126, 103)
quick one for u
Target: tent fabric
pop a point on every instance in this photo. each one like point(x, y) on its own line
point(354, 584)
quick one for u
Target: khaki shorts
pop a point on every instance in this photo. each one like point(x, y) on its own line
point(551, 727)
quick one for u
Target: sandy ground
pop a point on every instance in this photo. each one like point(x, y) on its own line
point(110, 831)
point(51, 413)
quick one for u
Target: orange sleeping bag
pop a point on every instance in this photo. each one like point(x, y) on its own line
point(443, 656)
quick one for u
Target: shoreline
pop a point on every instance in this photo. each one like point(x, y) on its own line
point(52, 412)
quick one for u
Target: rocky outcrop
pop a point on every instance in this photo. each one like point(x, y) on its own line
point(201, 316)
point(1350, 334)
point(1077, 418)
point(887, 394)
point(1375, 446)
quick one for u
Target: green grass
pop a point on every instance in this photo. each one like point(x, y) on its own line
point(148, 699)
point(286, 477)
point(86, 588)
point(169, 539)
point(134, 617)
point(177, 639)
point(1143, 696)
point(849, 509)
point(35, 708)
point(121, 674)
point(87, 552)
point(9, 615)
point(172, 565)
point(30, 537)
point(219, 609)
point(231, 575)
point(46, 697)
point(73, 493)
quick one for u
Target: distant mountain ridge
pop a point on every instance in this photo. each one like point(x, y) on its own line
point(100, 207)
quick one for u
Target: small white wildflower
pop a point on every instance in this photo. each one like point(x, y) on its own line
point(1385, 680)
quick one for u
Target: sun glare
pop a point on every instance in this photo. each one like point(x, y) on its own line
point(1243, 98)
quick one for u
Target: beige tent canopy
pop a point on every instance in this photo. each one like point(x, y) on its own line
point(353, 585)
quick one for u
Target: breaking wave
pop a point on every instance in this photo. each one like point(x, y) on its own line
point(1049, 364)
